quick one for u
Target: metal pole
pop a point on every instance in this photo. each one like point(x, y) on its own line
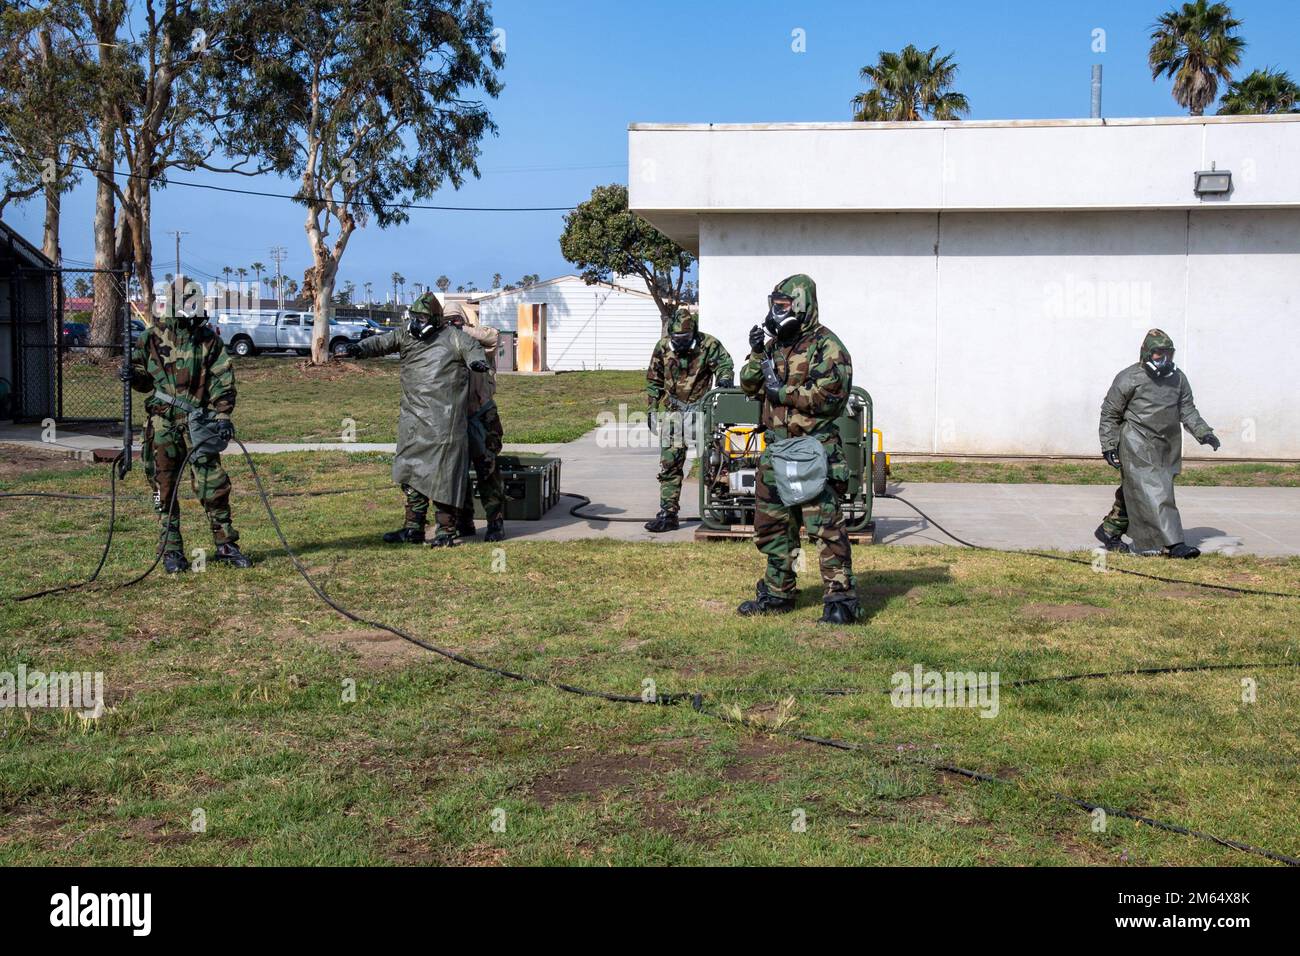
point(1096, 91)
point(124, 463)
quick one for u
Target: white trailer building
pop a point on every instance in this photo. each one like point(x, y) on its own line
point(601, 326)
point(990, 278)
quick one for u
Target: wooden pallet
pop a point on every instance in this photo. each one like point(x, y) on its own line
point(745, 532)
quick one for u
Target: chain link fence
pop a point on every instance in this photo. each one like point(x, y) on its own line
point(69, 351)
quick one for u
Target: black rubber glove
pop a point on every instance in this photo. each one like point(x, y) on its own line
point(352, 350)
point(225, 429)
point(1112, 457)
point(1212, 440)
point(771, 384)
point(756, 339)
point(478, 365)
point(724, 381)
point(125, 373)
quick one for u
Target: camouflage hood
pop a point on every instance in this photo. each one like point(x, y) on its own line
point(803, 291)
point(683, 323)
point(429, 306)
point(1155, 340)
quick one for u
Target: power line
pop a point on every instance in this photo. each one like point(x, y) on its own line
point(268, 195)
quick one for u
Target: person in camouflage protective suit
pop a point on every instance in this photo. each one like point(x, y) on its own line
point(804, 390)
point(183, 365)
point(685, 365)
point(432, 460)
point(1141, 435)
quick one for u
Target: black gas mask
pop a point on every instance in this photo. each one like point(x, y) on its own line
point(683, 341)
point(422, 326)
point(1161, 363)
point(782, 322)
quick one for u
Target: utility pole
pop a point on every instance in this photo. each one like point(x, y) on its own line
point(279, 254)
point(177, 233)
point(1096, 91)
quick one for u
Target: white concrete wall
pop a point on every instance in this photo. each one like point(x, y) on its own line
point(996, 165)
point(587, 327)
point(999, 332)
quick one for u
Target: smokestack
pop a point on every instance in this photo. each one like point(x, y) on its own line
point(1096, 91)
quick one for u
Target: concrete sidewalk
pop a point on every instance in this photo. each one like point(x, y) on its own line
point(616, 467)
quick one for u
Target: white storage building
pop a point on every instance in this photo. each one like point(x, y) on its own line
point(601, 326)
point(990, 278)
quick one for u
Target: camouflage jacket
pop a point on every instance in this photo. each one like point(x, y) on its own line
point(685, 377)
point(191, 365)
point(817, 372)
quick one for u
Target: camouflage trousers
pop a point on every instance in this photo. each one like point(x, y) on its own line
point(1116, 520)
point(417, 513)
point(163, 451)
point(485, 443)
point(776, 533)
point(672, 468)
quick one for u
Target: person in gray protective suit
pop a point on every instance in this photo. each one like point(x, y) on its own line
point(1140, 434)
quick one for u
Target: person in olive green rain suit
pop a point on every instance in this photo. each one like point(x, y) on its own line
point(432, 462)
point(685, 364)
point(1141, 420)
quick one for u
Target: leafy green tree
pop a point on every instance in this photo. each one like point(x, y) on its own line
point(1262, 91)
point(443, 284)
point(1196, 46)
point(45, 102)
point(369, 104)
point(910, 85)
point(604, 239)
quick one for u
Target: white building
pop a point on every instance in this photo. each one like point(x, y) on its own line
point(599, 326)
point(990, 278)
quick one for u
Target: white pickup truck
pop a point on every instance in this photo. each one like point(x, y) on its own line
point(249, 331)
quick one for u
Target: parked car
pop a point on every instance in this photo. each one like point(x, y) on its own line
point(76, 334)
point(247, 332)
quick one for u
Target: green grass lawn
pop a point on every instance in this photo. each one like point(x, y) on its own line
point(226, 691)
point(281, 399)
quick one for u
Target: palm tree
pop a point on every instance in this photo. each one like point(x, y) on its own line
point(1263, 91)
point(908, 86)
point(443, 284)
point(259, 268)
point(368, 286)
point(1195, 46)
point(496, 280)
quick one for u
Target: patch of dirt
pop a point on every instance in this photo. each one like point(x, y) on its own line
point(22, 460)
point(756, 758)
point(480, 854)
point(1063, 612)
point(375, 648)
point(160, 832)
point(597, 773)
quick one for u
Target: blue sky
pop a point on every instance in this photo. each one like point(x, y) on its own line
point(578, 72)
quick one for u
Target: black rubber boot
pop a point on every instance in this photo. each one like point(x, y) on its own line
point(765, 603)
point(664, 521)
point(496, 530)
point(404, 536)
point(1183, 550)
point(466, 528)
point(1111, 542)
point(444, 541)
point(841, 611)
point(230, 554)
point(174, 562)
